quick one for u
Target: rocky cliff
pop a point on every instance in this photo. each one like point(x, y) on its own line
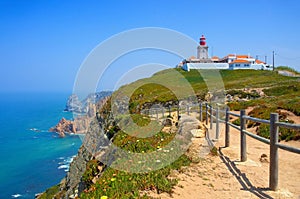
point(74, 104)
point(95, 141)
point(80, 124)
point(64, 126)
point(73, 183)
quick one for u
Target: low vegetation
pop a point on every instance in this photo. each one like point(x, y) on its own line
point(51, 193)
point(113, 183)
point(121, 184)
point(162, 88)
point(281, 92)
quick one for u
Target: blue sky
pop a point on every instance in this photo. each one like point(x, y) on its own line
point(43, 43)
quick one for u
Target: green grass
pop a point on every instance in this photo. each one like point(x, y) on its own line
point(283, 90)
point(157, 94)
point(51, 193)
point(115, 183)
point(237, 122)
point(172, 85)
point(176, 84)
point(284, 133)
point(120, 184)
point(142, 145)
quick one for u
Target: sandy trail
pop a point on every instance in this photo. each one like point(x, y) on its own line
point(224, 176)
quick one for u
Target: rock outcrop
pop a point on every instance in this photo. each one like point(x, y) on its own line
point(81, 123)
point(64, 126)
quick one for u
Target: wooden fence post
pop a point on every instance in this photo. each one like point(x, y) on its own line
point(178, 112)
point(273, 176)
point(243, 137)
point(156, 114)
point(217, 123)
point(211, 117)
point(227, 134)
point(169, 110)
point(188, 109)
point(200, 112)
point(206, 113)
point(163, 112)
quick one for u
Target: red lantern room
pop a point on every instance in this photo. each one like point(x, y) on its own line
point(202, 41)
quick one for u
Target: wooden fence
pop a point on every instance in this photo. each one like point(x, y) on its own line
point(219, 115)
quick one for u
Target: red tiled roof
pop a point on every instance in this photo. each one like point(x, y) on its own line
point(259, 62)
point(215, 57)
point(242, 56)
point(240, 61)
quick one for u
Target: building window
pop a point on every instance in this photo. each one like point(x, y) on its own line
point(238, 65)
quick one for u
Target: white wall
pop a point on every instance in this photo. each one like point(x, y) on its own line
point(189, 66)
point(239, 66)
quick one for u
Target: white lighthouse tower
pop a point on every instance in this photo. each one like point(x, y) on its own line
point(202, 50)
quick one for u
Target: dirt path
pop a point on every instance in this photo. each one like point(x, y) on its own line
point(224, 176)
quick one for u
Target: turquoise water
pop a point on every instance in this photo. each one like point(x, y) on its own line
point(32, 159)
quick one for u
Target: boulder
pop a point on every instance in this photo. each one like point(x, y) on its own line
point(168, 122)
point(198, 133)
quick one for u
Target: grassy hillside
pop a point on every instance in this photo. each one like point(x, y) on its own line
point(170, 86)
point(281, 92)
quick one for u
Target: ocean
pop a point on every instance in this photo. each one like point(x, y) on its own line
point(32, 159)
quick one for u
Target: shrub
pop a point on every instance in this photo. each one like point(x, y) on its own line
point(120, 184)
point(284, 133)
point(237, 122)
point(282, 90)
point(242, 94)
point(214, 151)
point(50, 193)
point(90, 172)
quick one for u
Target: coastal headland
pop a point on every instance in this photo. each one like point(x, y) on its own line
point(201, 171)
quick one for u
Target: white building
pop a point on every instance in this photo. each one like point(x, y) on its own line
point(202, 61)
point(231, 61)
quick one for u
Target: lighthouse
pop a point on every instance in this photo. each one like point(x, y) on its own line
point(202, 49)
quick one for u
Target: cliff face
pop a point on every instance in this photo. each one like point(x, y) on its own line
point(72, 184)
point(74, 104)
point(81, 123)
point(95, 141)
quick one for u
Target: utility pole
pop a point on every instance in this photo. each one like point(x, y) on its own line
point(265, 59)
point(273, 60)
point(256, 58)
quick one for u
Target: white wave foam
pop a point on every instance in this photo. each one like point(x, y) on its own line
point(64, 166)
point(16, 195)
